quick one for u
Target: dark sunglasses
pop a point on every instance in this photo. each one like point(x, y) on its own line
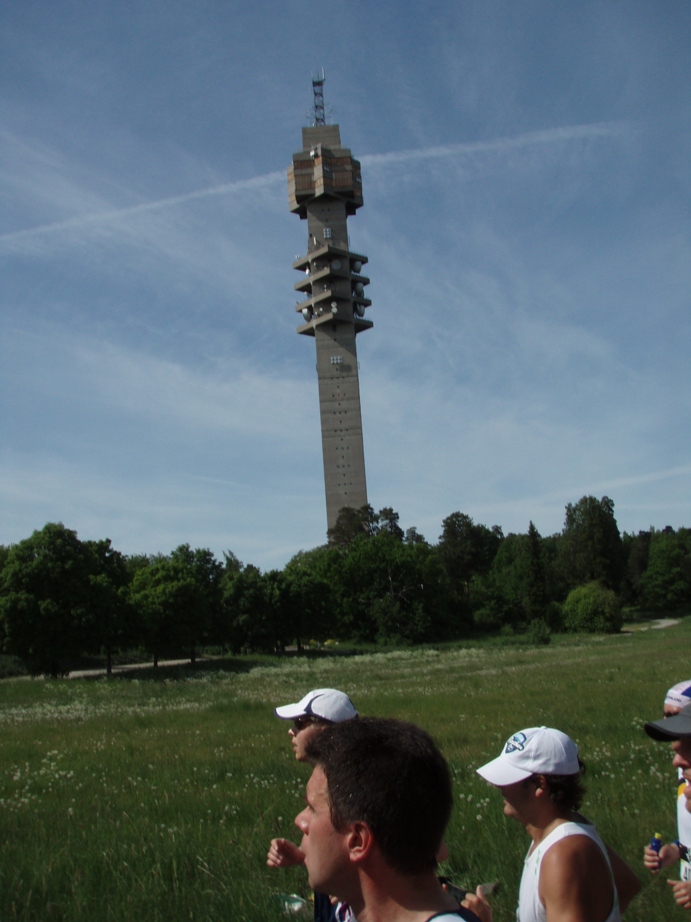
point(301, 722)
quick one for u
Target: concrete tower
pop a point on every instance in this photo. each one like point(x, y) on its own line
point(325, 187)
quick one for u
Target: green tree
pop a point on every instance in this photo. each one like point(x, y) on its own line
point(46, 600)
point(251, 620)
point(466, 550)
point(666, 583)
point(592, 608)
point(413, 536)
point(162, 601)
point(388, 523)
point(591, 547)
point(535, 598)
point(198, 624)
point(315, 581)
point(310, 610)
point(636, 550)
point(499, 597)
point(393, 591)
point(109, 589)
point(178, 599)
point(351, 524)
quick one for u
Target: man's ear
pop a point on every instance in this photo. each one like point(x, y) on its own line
point(359, 841)
point(540, 783)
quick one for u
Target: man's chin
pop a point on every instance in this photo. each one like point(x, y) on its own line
point(319, 884)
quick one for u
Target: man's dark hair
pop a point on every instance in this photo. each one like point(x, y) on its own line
point(566, 791)
point(390, 775)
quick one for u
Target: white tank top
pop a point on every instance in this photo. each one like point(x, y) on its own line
point(530, 908)
point(684, 827)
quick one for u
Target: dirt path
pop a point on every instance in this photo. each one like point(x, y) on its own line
point(653, 625)
point(131, 667)
point(664, 622)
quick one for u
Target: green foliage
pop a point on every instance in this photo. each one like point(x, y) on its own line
point(592, 609)
point(392, 591)
point(353, 523)
point(62, 599)
point(310, 609)
point(538, 632)
point(535, 598)
point(11, 666)
point(591, 547)
point(555, 616)
point(636, 550)
point(508, 580)
point(115, 620)
point(48, 587)
point(466, 551)
point(666, 583)
point(251, 620)
point(515, 590)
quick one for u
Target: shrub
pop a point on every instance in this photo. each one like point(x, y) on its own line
point(487, 619)
point(592, 609)
point(538, 632)
point(10, 667)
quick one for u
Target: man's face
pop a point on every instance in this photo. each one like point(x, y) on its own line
point(325, 850)
point(518, 798)
point(682, 755)
point(302, 731)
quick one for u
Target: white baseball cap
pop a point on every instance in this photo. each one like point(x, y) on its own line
point(535, 751)
point(679, 695)
point(327, 703)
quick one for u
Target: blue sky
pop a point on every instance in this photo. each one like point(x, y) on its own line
point(527, 189)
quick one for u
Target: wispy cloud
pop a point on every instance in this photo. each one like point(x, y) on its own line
point(235, 398)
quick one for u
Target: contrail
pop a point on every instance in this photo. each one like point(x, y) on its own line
point(267, 179)
point(529, 139)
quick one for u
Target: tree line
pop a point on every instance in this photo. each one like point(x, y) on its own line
point(62, 598)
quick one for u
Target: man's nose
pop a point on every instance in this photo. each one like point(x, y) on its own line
point(301, 823)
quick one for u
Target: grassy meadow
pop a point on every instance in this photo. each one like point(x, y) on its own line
point(155, 798)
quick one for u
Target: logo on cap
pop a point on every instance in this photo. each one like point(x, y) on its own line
point(517, 742)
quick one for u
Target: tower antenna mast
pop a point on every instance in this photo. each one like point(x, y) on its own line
point(318, 93)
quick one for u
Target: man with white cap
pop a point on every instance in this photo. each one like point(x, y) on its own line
point(317, 710)
point(568, 872)
point(675, 728)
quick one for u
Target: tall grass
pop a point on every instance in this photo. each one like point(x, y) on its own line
point(156, 799)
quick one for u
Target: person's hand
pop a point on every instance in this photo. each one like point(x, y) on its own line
point(682, 892)
point(654, 861)
point(284, 854)
point(478, 904)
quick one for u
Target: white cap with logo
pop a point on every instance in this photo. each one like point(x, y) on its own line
point(327, 703)
point(679, 695)
point(535, 751)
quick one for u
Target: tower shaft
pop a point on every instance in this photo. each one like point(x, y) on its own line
point(325, 187)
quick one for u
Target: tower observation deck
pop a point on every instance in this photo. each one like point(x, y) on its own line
point(325, 188)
